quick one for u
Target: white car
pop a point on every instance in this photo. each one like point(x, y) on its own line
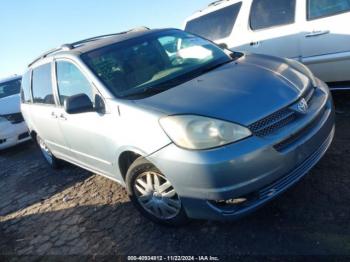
point(13, 129)
point(314, 32)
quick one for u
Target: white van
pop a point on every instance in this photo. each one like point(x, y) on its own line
point(314, 32)
point(13, 129)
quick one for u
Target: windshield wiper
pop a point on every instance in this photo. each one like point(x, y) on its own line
point(211, 68)
point(146, 92)
point(174, 82)
point(159, 87)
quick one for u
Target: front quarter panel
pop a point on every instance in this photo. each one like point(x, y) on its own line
point(138, 129)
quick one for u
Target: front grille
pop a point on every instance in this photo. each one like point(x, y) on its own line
point(15, 118)
point(23, 136)
point(292, 139)
point(279, 119)
point(273, 122)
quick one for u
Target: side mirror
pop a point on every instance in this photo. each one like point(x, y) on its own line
point(223, 46)
point(76, 104)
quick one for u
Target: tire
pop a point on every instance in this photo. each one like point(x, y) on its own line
point(153, 195)
point(51, 160)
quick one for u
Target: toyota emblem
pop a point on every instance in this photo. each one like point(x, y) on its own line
point(302, 106)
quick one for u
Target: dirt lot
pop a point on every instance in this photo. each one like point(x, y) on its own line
point(74, 212)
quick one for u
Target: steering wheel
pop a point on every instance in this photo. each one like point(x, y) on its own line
point(177, 60)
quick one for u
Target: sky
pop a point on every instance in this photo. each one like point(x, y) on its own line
point(31, 27)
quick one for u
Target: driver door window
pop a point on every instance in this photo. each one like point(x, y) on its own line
point(85, 133)
point(273, 29)
point(70, 82)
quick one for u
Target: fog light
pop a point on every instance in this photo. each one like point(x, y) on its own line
point(236, 201)
point(232, 202)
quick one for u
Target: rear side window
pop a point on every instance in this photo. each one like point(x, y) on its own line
point(215, 25)
point(270, 13)
point(71, 81)
point(10, 88)
point(25, 92)
point(42, 85)
point(324, 8)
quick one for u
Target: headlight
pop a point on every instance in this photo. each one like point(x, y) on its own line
point(2, 119)
point(198, 132)
point(304, 69)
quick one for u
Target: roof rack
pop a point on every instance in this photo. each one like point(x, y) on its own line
point(137, 29)
point(51, 51)
point(71, 46)
point(216, 3)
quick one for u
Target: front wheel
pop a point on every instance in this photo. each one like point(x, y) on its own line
point(47, 154)
point(153, 194)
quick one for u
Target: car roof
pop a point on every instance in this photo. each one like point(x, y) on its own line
point(11, 78)
point(97, 42)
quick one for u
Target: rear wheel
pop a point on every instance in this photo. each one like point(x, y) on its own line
point(47, 154)
point(153, 194)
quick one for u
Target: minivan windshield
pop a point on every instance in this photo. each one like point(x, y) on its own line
point(10, 88)
point(155, 62)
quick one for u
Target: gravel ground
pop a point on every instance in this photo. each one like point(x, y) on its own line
point(73, 212)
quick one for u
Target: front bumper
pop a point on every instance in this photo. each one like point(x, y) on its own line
point(252, 167)
point(13, 134)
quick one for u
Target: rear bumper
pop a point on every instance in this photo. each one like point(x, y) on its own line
point(13, 134)
point(252, 168)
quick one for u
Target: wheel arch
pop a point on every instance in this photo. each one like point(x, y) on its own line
point(125, 160)
point(33, 134)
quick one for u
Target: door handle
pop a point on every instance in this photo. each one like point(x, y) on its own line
point(63, 117)
point(257, 43)
point(317, 33)
point(53, 115)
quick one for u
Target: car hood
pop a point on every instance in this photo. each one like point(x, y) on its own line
point(243, 91)
point(10, 105)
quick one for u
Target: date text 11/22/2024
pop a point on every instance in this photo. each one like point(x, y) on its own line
point(173, 258)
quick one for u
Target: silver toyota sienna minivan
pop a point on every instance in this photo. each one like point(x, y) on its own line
point(190, 129)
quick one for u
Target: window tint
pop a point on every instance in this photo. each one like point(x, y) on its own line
point(71, 81)
point(25, 93)
point(157, 62)
point(169, 43)
point(10, 88)
point(42, 85)
point(215, 25)
point(323, 8)
point(269, 13)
